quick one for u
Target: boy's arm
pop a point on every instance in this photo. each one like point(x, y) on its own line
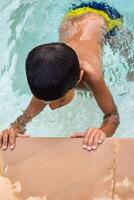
point(93, 79)
point(105, 101)
point(17, 128)
point(35, 107)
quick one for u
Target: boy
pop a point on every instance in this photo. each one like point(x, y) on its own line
point(55, 70)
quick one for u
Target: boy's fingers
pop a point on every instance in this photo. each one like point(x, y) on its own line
point(96, 139)
point(23, 135)
point(0, 139)
point(77, 135)
point(5, 139)
point(91, 140)
point(12, 139)
point(85, 140)
point(102, 137)
point(8, 138)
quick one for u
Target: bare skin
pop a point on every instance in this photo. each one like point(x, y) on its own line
point(85, 35)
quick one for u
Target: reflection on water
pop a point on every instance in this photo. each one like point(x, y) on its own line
point(26, 24)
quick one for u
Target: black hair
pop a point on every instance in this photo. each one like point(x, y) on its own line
point(51, 70)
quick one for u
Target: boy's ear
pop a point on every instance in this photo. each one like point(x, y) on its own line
point(81, 76)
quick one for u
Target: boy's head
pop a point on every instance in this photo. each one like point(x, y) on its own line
point(52, 72)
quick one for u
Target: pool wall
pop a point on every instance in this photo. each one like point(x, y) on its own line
point(61, 169)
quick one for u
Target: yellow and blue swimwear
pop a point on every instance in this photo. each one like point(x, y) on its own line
point(112, 17)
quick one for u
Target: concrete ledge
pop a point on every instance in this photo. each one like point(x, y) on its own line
point(60, 168)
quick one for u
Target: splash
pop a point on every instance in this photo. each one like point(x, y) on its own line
point(13, 191)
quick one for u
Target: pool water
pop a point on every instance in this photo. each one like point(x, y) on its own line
point(26, 24)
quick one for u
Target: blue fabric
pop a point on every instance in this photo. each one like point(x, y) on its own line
point(112, 12)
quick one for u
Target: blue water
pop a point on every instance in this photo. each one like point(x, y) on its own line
point(26, 24)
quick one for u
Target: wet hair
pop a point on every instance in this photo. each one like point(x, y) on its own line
point(51, 70)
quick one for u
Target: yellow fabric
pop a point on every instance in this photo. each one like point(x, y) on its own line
point(111, 23)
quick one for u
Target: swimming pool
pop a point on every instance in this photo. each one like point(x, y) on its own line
point(26, 24)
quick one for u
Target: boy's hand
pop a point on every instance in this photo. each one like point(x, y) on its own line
point(8, 138)
point(92, 137)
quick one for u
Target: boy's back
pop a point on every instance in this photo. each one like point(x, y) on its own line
point(85, 35)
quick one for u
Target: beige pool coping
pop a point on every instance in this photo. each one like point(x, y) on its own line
point(60, 168)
